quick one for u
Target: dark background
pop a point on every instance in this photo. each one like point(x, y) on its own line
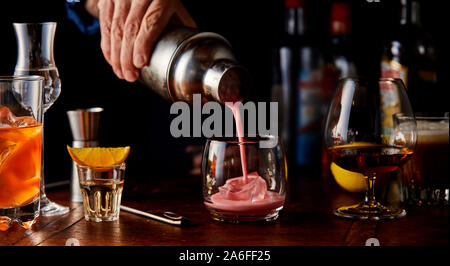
point(136, 116)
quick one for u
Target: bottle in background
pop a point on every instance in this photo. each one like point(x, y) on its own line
point(309, 111)
point(341, 56)
point(339, 61)
point(309, 103)
point(285, 63)
point(411, 55)
point(301, 93)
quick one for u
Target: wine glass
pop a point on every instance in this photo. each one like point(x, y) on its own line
point(370, 129)
point(35, 57)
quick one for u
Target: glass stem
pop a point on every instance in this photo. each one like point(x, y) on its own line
point(369, 199)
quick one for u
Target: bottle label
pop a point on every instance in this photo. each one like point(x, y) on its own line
point(309, 114)
point(427, 76)
point(390, 102)
point(393, 69)
point(389, 95)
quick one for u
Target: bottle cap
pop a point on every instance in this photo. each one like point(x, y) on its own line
point(340, 18)
point(294, 3)
point(226, 81)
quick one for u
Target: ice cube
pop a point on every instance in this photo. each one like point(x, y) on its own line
point(8, 119)
point(6, 148)
point(237, 189)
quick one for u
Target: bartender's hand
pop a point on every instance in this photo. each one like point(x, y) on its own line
point(130, 28)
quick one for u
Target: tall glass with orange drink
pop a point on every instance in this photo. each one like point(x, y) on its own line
point(20, 149)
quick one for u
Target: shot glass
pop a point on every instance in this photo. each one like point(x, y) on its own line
point(231, 196)
point(101, 190)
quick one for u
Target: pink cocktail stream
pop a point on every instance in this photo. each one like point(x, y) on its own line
point(240, 133)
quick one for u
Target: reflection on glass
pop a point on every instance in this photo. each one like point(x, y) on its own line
point(370, 129)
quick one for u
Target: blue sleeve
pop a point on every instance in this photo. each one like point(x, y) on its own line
point(83, 20)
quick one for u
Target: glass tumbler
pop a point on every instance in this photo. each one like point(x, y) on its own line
point(231, 196)
point(20, 149)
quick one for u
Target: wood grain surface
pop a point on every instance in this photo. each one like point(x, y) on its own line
point(306, 220)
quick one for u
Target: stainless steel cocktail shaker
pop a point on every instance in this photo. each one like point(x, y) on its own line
point(185, 61)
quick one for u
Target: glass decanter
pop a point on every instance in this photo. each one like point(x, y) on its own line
point(35, 57)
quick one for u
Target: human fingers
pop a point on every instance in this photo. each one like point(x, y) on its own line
point(131, 29)
point(121, 9)
point(154, 21)
point(106, 8)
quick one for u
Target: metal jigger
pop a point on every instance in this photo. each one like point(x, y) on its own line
point(84, 124)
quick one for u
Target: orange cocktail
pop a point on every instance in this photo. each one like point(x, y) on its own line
point(20, 164)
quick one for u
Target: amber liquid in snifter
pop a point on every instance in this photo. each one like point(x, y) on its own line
point(370, 159)
point(20, 167)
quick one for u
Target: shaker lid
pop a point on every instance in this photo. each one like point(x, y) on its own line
point(227, 81)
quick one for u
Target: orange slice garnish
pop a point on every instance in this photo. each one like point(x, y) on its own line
point(99, 156)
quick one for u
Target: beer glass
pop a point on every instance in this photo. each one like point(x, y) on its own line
point(426, 176)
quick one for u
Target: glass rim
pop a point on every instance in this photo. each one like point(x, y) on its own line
point(432, 115)
point(36, 23)
point(404, 116)
point(362, 78)
point(102, 167)
point(248, 139)
point(21, 77)
point(88, 110)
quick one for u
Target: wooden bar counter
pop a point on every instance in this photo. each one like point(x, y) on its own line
point(306, 220)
